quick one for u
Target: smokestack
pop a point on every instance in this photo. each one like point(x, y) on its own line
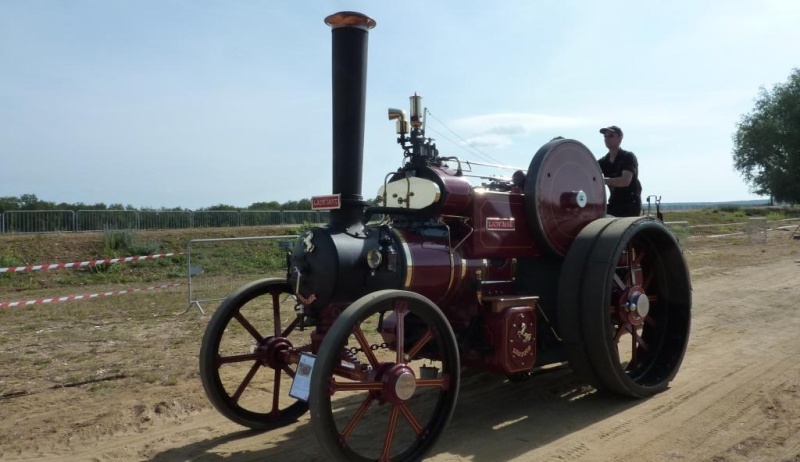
point(350, 32)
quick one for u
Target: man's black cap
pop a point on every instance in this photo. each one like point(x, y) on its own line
point(612, 129)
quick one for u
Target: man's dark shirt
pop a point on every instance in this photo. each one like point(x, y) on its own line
point(625, 160)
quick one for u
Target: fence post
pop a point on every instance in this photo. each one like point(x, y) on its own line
point(189, 275)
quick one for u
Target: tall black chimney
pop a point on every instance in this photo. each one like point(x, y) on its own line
point(350, 32)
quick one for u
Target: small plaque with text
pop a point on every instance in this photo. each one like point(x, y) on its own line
point(500, 224)
point(331, 202)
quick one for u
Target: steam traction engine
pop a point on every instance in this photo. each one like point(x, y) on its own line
point(382, 307)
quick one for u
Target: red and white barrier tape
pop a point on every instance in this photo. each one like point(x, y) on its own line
point(78, 264)
point(69, 298)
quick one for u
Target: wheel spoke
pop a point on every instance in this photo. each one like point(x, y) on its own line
point(288, 371)
point(620, 332)
point(235, 397)
point(356, 418)
point(400, 311)
point(636, 269)
point(237, 358)
point(355, 386)
point(621, 285)
point(420, 343)
point(276, 394)
point(637, 260)
point(418, 429)
point(276, 311)
point(362, 340)
point(443, 383)
point(387, 443)
point(290, 328)
point(637, 339)
point(632, 262)
point(249, 327)
point(647, 281)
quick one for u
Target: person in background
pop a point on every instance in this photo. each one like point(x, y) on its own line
point(621, 175)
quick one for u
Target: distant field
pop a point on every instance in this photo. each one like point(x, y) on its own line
point(32, 249)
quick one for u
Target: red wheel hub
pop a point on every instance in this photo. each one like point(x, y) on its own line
point(270, 351)
point(633, 306)
point(399, 384)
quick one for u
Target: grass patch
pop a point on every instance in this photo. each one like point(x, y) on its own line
point(102, 388)
point(125, 243)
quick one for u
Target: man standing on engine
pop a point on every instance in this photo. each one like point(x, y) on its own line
point(621, 175)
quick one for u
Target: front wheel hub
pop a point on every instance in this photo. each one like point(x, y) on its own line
point(270, 351)
point(399, 384)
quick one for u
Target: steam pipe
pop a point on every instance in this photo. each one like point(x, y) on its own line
point(350, 32)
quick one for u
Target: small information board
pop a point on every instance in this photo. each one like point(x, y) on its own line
point(301, 386)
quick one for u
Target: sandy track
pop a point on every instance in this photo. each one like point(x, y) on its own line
point(736, 398)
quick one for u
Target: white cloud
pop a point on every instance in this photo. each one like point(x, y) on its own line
point(516, 123)
point(492, 141)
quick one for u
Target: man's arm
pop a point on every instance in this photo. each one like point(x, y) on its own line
point(620, 181)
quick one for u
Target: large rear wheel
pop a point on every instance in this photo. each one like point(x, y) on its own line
point(625, 305)
point(385, 382)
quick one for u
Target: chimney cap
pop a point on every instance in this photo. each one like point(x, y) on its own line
point(350, 19)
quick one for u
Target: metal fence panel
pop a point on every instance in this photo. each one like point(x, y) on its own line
point(756, 229)
point(215, 219)
point(217, 267)
point(38, 221)
point(300, 217)
point(260, 217)
point(102, 220)
point(152, 219)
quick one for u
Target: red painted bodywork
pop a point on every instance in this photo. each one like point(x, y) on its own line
point(457, 192)
point(512, 333)
point(501, 230)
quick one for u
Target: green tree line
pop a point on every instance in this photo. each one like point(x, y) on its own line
point(31, 202)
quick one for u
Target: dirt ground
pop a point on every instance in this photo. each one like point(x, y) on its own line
point(116, 379)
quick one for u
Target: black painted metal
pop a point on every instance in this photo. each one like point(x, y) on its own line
point(349, 62)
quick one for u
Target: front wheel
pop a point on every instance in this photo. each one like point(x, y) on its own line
point(246, 363)
point(385, 383)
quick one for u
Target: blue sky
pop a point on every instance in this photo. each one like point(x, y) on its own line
point(179, 103)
